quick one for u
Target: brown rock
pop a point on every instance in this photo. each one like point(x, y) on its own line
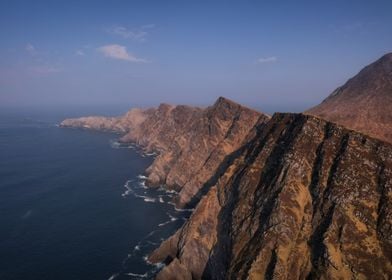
point(364, 103)
point(304, 198)
point(192, 142)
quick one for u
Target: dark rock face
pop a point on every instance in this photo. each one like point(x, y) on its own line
point(302, 199)
point(364, 103)
point(192, 142)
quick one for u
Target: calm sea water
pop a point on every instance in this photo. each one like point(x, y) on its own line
point(73, 204)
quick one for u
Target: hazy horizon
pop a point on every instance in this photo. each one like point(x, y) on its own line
point(287, 56)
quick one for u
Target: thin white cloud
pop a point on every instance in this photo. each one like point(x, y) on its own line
point(30, 49)
point(269, 59)
point(137, 34)
point(80, 53)
point(119, 52)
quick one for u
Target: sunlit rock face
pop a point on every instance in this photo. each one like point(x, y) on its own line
point(192, 142)
point(364, 103)
point(295, 196)
point(302, 199)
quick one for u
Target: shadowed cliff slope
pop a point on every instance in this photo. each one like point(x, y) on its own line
point(364, 103)
point(192, 142)
point(303, 199)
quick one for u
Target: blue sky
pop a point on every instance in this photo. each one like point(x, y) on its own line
point(287, 54)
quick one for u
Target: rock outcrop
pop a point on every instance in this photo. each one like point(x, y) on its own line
point(302, 199)
point(192, 142)
point(364, 103)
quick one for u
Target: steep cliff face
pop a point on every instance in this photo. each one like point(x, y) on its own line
point(302, 199)
point(364, 103)
point(132, 119)
point(192, 142)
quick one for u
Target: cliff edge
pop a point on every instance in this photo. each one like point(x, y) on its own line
point(191, 141)
point(303, 199)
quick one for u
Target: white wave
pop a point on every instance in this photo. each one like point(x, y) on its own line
point(145, 198)
point(184, 209)
point(171, 191)
point(164, 223)
point(161, 199)
point(137, 248)
point(113, 276)
point(149, 199)
point(128, 189)
point(172, 218)
point(159, 265)
point(142, 177)
point(142, 184)
point(118, 145)
point(150, 234)
point(114, 144)
point(138, 275)
point(145, 258)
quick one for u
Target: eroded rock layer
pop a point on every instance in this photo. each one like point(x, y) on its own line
point(302, 199)
point(192, 142)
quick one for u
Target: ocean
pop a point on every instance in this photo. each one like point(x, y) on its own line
point(73, 204)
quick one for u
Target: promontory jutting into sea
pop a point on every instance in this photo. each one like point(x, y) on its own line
point(189, 140)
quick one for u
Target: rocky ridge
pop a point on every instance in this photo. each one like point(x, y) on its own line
point(303, 199)
point(191, 141)
point(364, 103)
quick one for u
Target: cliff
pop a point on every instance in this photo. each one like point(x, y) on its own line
point(298, 196)
point(302, 199)
point(364, 103)
point(192, 142)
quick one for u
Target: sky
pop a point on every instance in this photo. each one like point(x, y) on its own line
point(283, 54)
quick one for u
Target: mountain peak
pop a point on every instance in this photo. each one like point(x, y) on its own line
point(364, 102)
point(224, 100)
point(387, 57)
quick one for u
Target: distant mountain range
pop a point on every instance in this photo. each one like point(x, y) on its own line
point(295, 196)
